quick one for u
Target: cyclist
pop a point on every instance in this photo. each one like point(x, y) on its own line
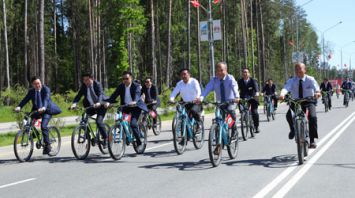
point(346, 86)
point(150, 93)
point(94, 95)
point(249, 89)
point(189, 89)
point(226, 89)
point(270, 90)
point(327, 87)
point(40, 95)
point(302, 86)
point(130, 95)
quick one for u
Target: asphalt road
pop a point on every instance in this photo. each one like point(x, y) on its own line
point(266, 166)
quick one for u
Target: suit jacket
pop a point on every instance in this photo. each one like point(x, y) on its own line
point(153, 94)
point(269, 90)
point(51, 107)
point(248, 90)
point(326, 88)
point(83, 92)
point(135, 94)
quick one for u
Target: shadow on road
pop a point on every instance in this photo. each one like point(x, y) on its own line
point(282, 161)
point(348, 165)
point(182, 166)
point(160, 154)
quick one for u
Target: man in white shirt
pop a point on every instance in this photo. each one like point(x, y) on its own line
point(303, 86)
point(189, 90)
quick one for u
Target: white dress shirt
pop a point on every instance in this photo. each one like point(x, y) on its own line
point(127, 95)
point(309, 86)
point(188, 91)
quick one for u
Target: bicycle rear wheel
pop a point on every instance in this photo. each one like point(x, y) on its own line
point(251, 126)
point(102, 149)
point(268, 113)
point(157, 126)
point(116, 144)
point(199, 135)
point(143, 138)
point(80, 142)
point(299, 142)
point(23, 146)
point(180, 139)
point(233, 146)
point(244, 126)
point(214, 153)
point(54, 140)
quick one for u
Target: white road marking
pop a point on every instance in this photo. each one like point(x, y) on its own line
point(15, 183)
point(299, 174)
point(269, 187)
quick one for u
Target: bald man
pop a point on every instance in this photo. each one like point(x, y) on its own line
point(303, 86)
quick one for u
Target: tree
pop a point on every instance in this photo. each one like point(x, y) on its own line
point(41, 40)
point(6, 45)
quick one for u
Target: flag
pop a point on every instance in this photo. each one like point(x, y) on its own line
point(215, 1)
point(290, 42)
point(195, 3)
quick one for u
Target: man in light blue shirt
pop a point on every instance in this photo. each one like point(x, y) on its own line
point(303, 86)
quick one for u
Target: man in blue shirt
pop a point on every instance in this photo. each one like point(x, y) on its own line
point(249, 90)
point(303, 86)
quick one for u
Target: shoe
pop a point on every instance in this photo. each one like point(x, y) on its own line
point(313, 145)
point(291, 135)
point(257, 130)
point(182, 142)
point(104, 143)
point(217, 150)
point(47, 149)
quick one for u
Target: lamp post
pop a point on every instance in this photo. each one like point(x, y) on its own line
point(323, 39)
point(341, 56)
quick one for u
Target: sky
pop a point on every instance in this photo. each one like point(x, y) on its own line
point(323, 14)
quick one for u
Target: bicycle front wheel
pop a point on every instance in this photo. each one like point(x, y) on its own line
point(244, 126)
point(180, 139)
point(299, 142)
point(116, 143)
point(102, 149)
point(55, 140)
point(233, 146)
point(157, 126)
point(199, 135)
point(80, 142)
point(214, 147)
point(139, 149)
point(23, 146)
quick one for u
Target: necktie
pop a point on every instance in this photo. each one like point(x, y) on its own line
point(38, 99)
point(91, 96)
point(300, 89)
point(223, 95)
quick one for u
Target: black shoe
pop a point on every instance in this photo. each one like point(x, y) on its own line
point(217, 150)
point(257, 130)
point(47, 149)
point(182, 142)
point(104, 143)
point(291, 135)
point(313, 145)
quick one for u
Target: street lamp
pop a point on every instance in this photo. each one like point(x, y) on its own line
point(323, 38)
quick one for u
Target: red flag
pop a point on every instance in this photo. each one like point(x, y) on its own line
point(215, 1)
point(290, 42)
point(195, 3)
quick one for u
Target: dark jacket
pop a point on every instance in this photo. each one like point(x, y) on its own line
point(267, 90)
point(326, 88)
point(51, 107)
point(135, 94)
point(153, 94)
point(248, 90)
point(83, 92)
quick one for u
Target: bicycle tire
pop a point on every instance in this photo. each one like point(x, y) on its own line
point(17, 145)
point(84, 142)
point(143, 138)
point(212, 144)
point(55, 140)
point(180, 140)
point(199, 138)
point(233, 147)
point(157, 128)
point(244, 126)
point(101, 147)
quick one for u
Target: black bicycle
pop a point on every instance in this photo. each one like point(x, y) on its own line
point(246, 119)
point(148, 120)
point(300, 124)
point(325, 100)
point(83, 136)
point(346, 93)
point(24, 139)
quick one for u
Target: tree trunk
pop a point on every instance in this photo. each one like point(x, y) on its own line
point(199, 47)
point(91, 39)
point(263, 70)
point(252, 38)
point(152, 27)
point(25, 47)
point(169, 58)
point(41, 40)
point(188, 34)
point(6, 46)
point(55, 46)
point(244, 34)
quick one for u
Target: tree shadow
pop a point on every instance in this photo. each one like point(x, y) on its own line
point(182, 166)
point(282, 161)
point(160, 154)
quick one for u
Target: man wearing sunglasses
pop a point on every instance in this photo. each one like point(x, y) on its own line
point(130, 95)
point(150, 94)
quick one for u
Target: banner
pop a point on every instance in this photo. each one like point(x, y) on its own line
point(217, 30)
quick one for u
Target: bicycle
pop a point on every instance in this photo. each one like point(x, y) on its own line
point(24, 139)
point(346, 94)
point(186, 128)
point(270, 109)
point(147, 119)
point(300, 124)
point(325, 99)
point(121, 134)
point(246, 119)
point(83, 136)
point(223, 132)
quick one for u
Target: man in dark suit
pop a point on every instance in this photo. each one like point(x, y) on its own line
point(42, 103)
point(130, 94)
point(270, 90)
point(248, 88)
point(327, 87)
point(150, 93)
point(93, 97)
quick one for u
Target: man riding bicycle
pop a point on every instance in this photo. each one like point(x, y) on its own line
point(327, 87)
point(150, 93)
point(130, 95)
point(303, 86)
point(270, 90)
point(40, 95)
point(94, 95)
point(249, 89)
point(226, 89)
point(189, 89)
point(346, 86)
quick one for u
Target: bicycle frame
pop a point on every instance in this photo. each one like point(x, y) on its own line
point(29, 127)
point(124, 125)
point(187, 122)
point(223, 129)
point(86, 124)
point(269, 102)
